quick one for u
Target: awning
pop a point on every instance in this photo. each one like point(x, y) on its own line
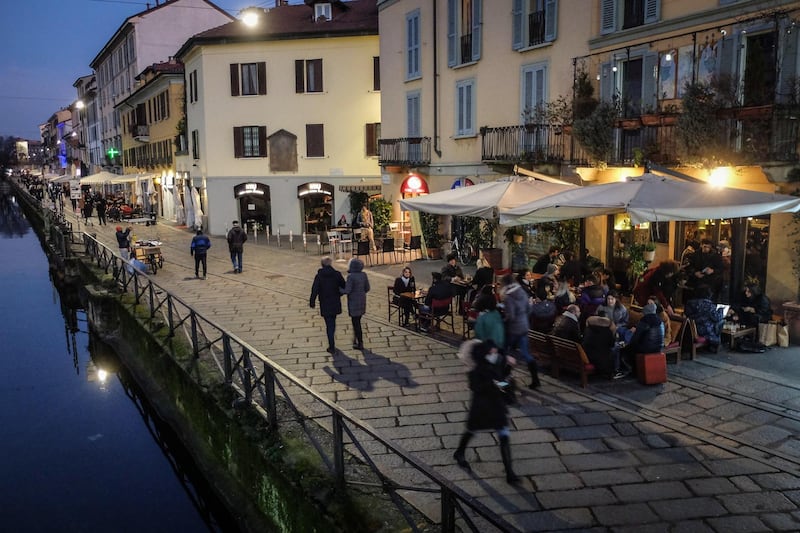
point(367, 188)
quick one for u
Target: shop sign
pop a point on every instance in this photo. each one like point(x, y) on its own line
point(314, 188)
point(414, 185)
point(256, 189)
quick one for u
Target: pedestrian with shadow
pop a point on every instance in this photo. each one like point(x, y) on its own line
point(199, 249)
point(356, 288)
point(327, 288)
point(236, 239)
point(488, 408)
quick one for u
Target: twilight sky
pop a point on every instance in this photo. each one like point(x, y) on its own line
point(45, 45)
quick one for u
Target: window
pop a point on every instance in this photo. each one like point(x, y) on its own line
point(193, 96)
point(534, 86)
point(322, 11)
point(635, 81)
point(195, 144)
point(308, 75)
point(624, 14)
point(463, 31)
point(413, 113)
point(373, 134)
point(412, 46)
point(376, 73)
point(534, 22)
point(248, 79)
point(465, 107)
point(315, 140)
point(250, 141)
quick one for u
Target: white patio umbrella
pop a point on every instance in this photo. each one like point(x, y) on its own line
point(485, 200)
point(198, 210)
point(650, 198)
point(189, 206)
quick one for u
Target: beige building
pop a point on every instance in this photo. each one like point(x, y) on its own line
point(283, 117)
point(148, 37)
point(473, 88)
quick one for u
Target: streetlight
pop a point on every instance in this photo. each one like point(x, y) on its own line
point(251, 16)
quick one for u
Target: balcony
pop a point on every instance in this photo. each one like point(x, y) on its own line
point(746, 136)
point(405, 151)
point(140, 132)
point(536, 28)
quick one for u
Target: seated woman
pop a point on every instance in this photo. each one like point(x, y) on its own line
point(547, 285)
point(525, 280)
point(613, 309)
point(591, 298)
point(648, 335)
point(753, 307)
point(564, 296)
point(405, 283)
point(706, 316)
point(599, 343)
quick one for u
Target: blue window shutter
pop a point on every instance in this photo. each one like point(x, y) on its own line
point(516, 25)
point(477, 9)
point(608, 16)
point(652, 11)
point(452, 36)
point(650, 81)
point(788, 66)
point(606, 82)
point(727, 54)
point(550, 20)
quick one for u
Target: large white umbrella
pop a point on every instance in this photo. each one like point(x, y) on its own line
point(485, 200)
point(650, 198)
point(107, 177)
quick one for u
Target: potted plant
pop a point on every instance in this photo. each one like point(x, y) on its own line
point(381, 215)
point(514, 235)
point(649, 253)
point(636, 262)
point(650, 117)
point(430, 234)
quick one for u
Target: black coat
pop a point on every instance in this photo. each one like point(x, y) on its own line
point(326, 287)
point(649, 335)
point(488, 408)
point(598, 343)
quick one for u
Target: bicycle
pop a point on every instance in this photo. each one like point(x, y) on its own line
point(464, 251)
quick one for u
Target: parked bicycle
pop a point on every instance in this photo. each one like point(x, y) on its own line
point(464, 251)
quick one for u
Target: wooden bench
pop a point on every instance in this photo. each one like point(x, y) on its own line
point(541, 347)
point(569, 355)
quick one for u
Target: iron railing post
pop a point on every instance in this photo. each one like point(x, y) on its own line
point(170, 318)
point(195, 347)
point(338, 449)
point(448, 511)
point(272, 404)
point(227, 358)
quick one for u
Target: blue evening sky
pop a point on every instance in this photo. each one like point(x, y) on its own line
point(45, 45)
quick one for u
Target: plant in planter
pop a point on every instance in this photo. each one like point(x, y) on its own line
point(649, 253)
point(430, 234)
point(595, 133)
point(697, 131)
point(381, 215)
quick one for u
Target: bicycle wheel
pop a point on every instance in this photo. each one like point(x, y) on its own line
point(465, 254)
point(154, 265)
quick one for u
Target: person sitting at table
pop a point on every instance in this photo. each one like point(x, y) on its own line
point(405, 284)
point(440, 290)
point(613, 309)
point(484, 278)
point(648, 335)
point(599, 343)
point(540, 267)
point(526, 281)
point(606, 277)
point(566, 326)
point(591, 298)
point(451, 271)
point(708, 319)
point(752, 308)
point(547, 285)
point(565, 295)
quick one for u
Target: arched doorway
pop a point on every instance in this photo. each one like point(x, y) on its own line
point(317, 206)
point(254, 204)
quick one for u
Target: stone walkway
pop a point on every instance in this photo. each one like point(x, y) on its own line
point(714, 449)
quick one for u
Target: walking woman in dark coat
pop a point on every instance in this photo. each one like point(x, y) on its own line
point(488, 409)
point(326, 287)
point(356, 288)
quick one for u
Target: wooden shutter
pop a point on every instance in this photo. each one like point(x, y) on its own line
point(452, 34)
point(314, 76)
point(299, 76)
point(376, 73)
point(371, 138)
point(262, 77)
point(234, 79)
point(262, 141)
point(315, 142)
point(477, 10)
point(517, 41)
point(652, 11)
point(608, 16)
point(238, 141)
point(550, 20)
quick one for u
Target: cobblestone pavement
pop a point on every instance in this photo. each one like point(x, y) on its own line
point(713, 449)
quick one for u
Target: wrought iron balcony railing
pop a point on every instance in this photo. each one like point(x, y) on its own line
point(408, 151)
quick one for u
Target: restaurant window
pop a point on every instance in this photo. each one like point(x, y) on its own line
point(250, 141)
point(463, 31)
point(412, 46)
point(308, 75)
point(315, 140)
point(248, 79)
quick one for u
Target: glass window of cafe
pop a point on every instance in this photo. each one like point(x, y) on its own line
point(316, 206)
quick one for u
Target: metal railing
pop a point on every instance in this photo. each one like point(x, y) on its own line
point(260, 382)
point(411, 151)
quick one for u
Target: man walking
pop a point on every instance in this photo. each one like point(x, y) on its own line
point(326, 287)
point(124, 241)
point(100, 205)
point(236, 239)
point(199, 249)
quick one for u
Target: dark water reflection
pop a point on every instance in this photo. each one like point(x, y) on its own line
point(81, 449)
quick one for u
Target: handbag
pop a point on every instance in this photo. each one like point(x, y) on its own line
point(783, 336)
point(768, 333)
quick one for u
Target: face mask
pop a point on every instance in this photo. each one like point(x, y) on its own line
point(492, 357)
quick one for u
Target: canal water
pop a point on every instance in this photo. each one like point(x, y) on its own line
point(81, 450)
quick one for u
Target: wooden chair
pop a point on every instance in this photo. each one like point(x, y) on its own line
point(682, 343)
point(541, 347)
point(569, 355)
point(470, 316)
point(441, 312)
point(387, 247)
point(394, 307)
point(362, 249)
